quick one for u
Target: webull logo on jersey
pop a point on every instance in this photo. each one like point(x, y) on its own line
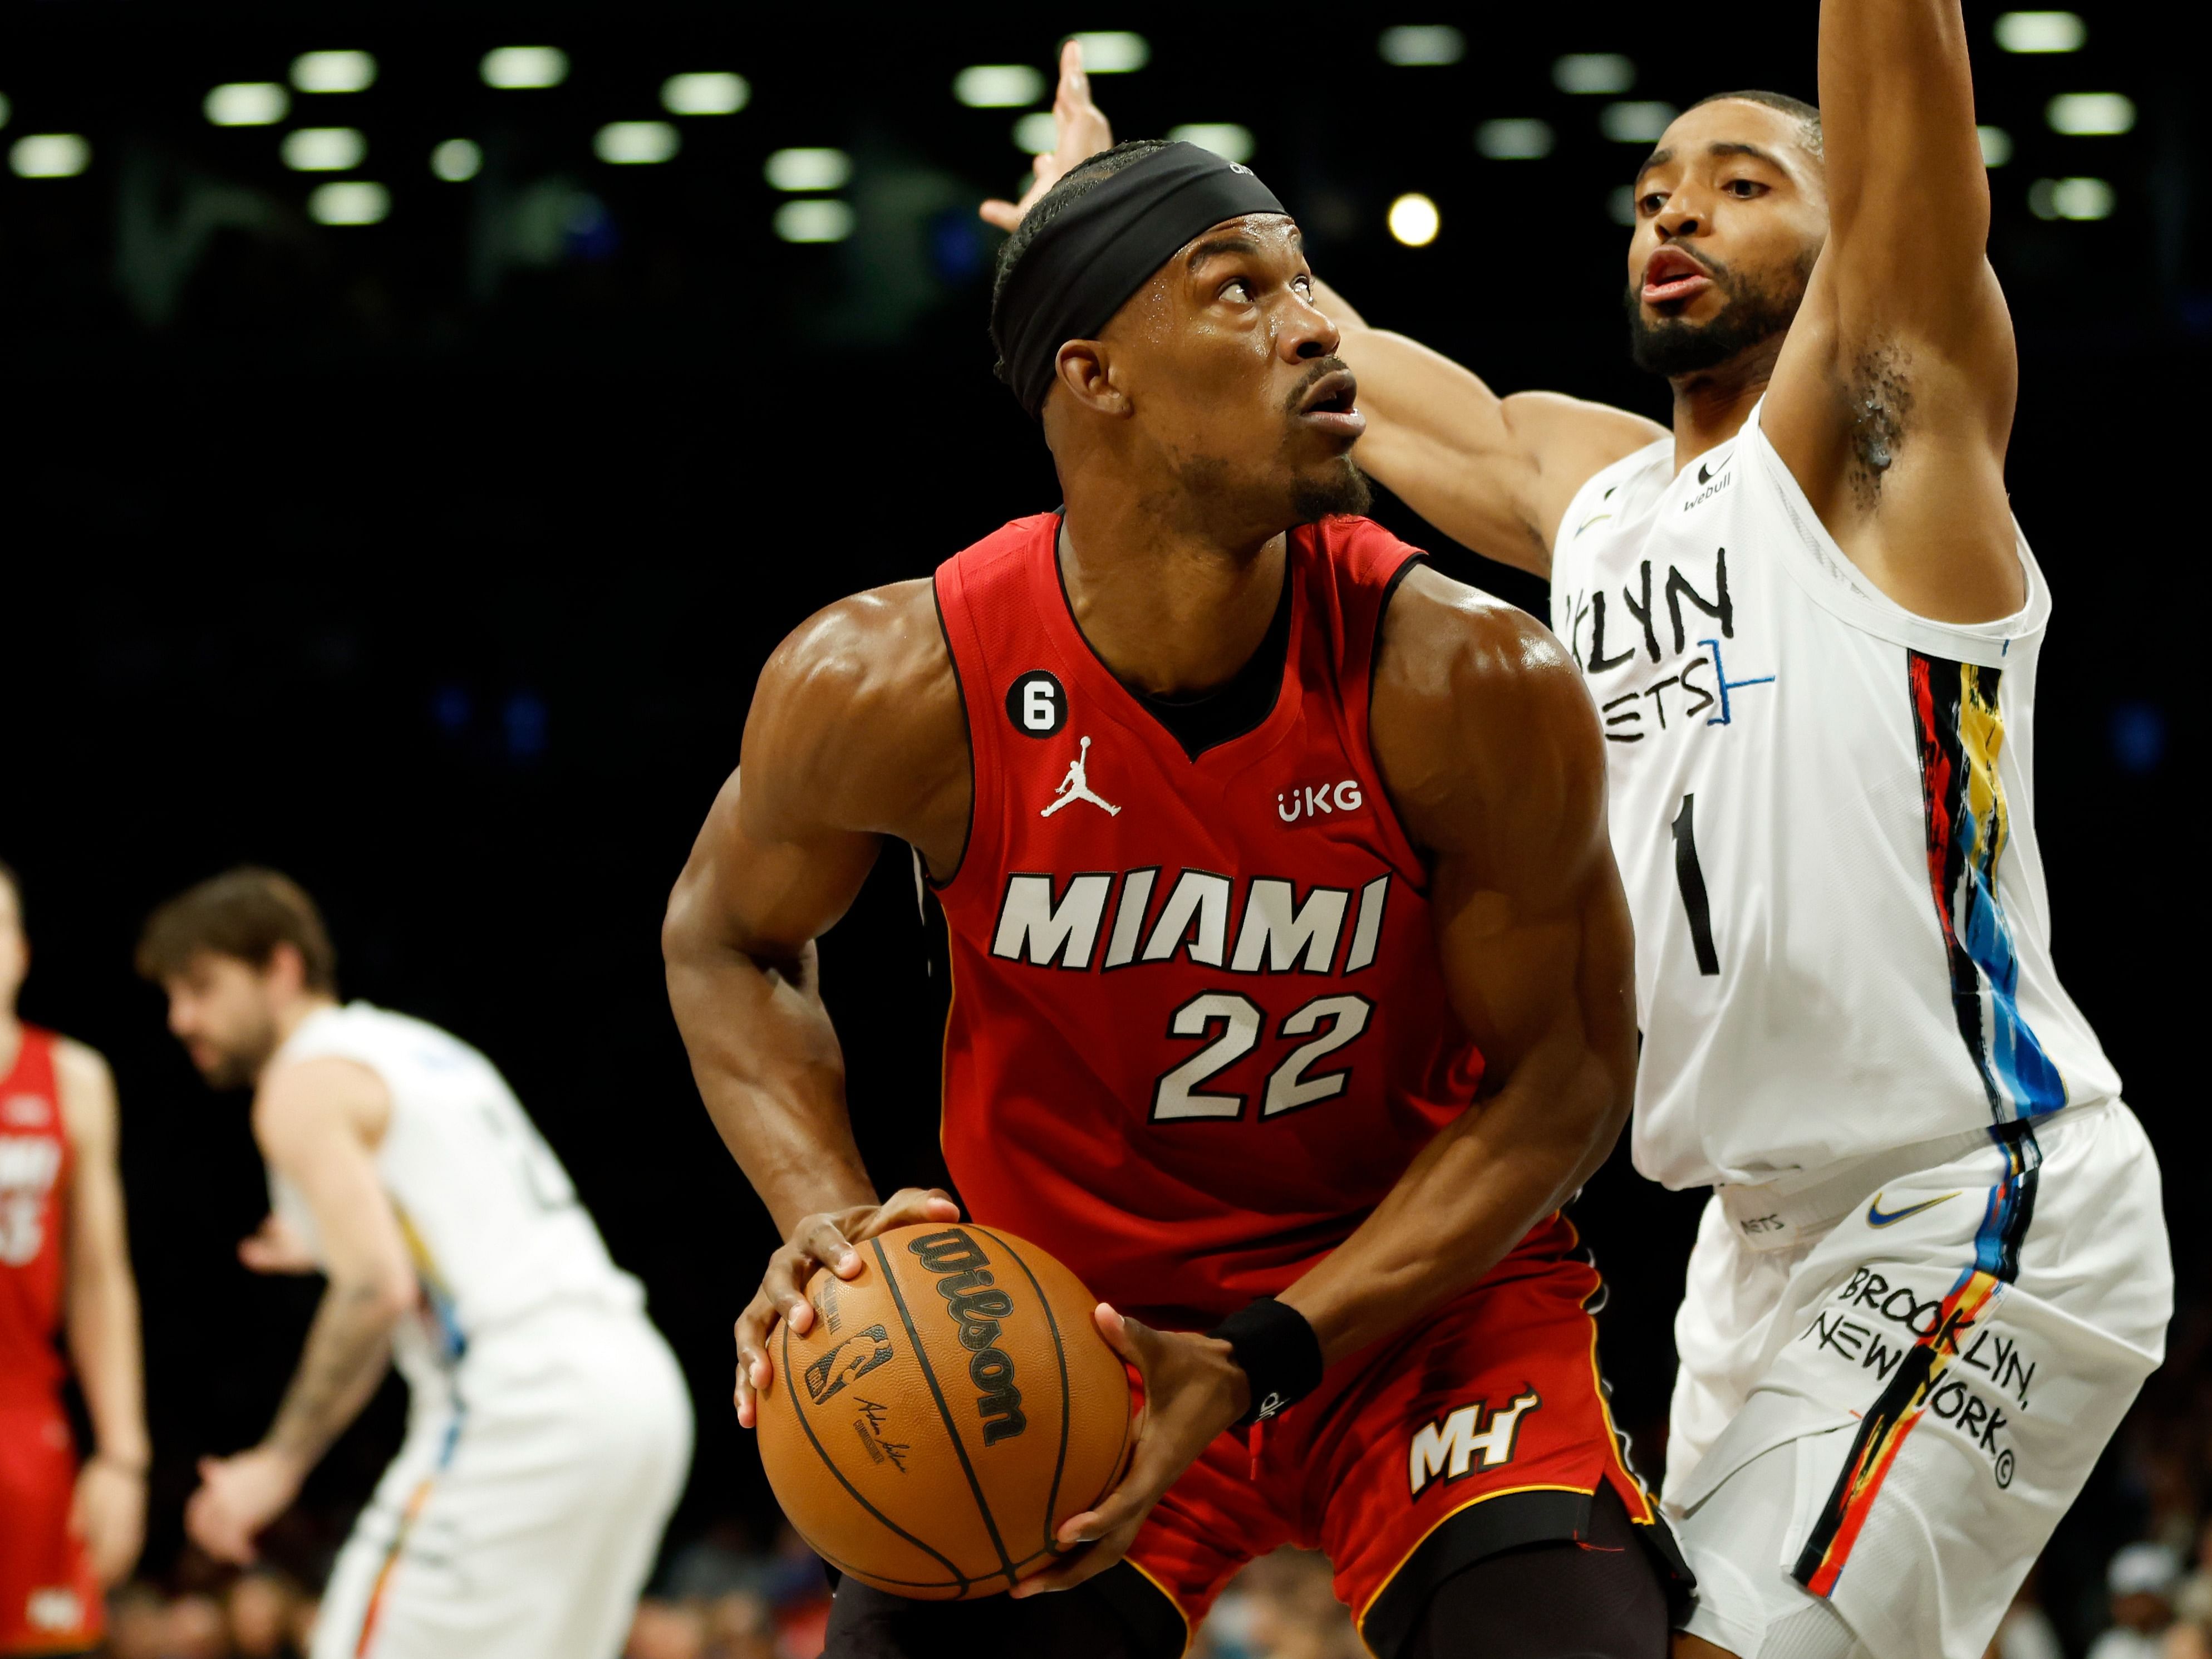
point(1272, 931)
point(978, 1306)
point(1478, 1437)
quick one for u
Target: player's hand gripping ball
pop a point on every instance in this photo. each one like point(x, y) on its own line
point(947, 1409)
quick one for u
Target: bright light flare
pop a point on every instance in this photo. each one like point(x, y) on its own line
point(348, 202)
point(49, 155)
point(815, 220)
point(1639, 122)
point(457, 161)
point(716, 93)
point(636, 143)
point(323, 150)
point(525, 68)
point(798, 170)
point(1602, 72)
point(1525, 140)
point(997, 86)
point(1415, 219)
point(1997, 146)
point(2041, 31)
point(247, 103)
point(1114, 51)
point(1037, 133)
point(333, 72)
point(2071, 198)
point(1421, 45)
point(1224, 138)
point(2091, 114)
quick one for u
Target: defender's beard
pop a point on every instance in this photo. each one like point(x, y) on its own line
point(1342, 488)
point(1755, 314)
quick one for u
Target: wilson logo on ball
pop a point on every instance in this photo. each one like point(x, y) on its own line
point(855, 1357)
point(978, 1307)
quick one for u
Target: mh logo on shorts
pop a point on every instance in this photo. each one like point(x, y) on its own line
point(1477, 1437)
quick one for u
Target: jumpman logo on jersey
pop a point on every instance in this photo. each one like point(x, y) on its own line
point(1075, 787)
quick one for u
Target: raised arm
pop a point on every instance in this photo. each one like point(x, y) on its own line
point(1491, 752)
point(101, 1317)
point(1893, 400)
point(855, 733)
point(1494, 473)
point(315, 1119)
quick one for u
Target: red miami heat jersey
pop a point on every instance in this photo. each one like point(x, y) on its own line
point(1198, 1024)
point(35, 1159)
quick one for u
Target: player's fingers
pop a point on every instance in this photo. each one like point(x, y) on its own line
point(1001, 214)
point(1088, 1564)
point(784, 1288)
point(1137, 1344)
point(819, 1240)
point(909, 1206)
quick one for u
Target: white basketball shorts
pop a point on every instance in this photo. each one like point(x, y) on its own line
point(523, 1513)
point(1889, 1415)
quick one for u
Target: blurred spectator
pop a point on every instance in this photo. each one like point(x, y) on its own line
point(1284, 1606)
point(724, 1557)
point(137, 1622)
point(196, 1629)
point(666, 1630)
point(2192, 1602)
point(260, 1607)
point(2026, 1631)
point(741, 1626)
point(2140, 1582)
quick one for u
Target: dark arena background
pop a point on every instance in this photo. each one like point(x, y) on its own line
point(412, 509)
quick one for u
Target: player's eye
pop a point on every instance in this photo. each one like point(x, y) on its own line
point(1651, 201)
point(1744, 189)
point(1236, 287)
point(1304, 283)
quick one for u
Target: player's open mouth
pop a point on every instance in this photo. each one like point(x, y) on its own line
point(1331, 403)
point(1671, 275)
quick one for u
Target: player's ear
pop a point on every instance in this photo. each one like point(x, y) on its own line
point(1085, 368)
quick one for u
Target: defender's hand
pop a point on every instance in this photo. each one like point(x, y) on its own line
point(276, 1248)
point(818, 1240)
point(1194, 1389)
point(238, 1496)
point(107, 1514)
point(1084, 131)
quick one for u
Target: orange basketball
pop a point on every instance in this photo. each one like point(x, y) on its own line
point(951, 1406)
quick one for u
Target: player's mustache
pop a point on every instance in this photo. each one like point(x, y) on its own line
point(1323, 366)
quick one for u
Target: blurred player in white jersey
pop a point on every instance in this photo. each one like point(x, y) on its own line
point(1935, 1271)
point(549, 1429)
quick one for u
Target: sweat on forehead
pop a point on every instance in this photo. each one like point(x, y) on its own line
point(1096, 239)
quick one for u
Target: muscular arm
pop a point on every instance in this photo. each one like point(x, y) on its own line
point(100, 1314)
point(855, 733)
point(1491, 751)
point(1495, 473)
point(1893, 400)
point(308, 1120)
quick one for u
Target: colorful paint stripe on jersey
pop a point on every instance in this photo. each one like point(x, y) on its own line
point(1898, 1411)
point(1960, 727)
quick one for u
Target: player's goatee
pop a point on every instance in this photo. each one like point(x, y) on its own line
point(1344, 488)
point(1755, 312)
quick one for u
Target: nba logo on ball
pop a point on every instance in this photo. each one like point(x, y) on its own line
point(951, 1406)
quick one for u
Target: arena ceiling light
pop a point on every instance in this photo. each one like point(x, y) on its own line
point(333, 72)
point(348, 202)
point(1224, 138)
point(323, 150)
point(1997, 146)
point(1415, 219)
point(524, 69)
point(1113, 51)
point(2040, 31)
point(1598, 72)
point(247, 103)
point(49, 155)
point(1037, 133)
point(997, 86)
point(795, 170)
point(818, 219)
point(1636, 122)
point(457, 161)
point(2071, 198)
point(636, 143)
point(1421, 45)
point(704, 94)
point(2091, 114)
point(1517, 140)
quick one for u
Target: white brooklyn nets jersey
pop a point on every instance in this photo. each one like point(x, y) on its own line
point(490, 1216)
point(1823, 811)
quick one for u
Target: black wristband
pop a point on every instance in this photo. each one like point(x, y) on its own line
point(1278, 1353)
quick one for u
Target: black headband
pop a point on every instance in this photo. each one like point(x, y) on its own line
point(1104, 247)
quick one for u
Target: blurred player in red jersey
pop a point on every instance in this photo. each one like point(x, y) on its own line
point(1291, 969)
point(66, 1533)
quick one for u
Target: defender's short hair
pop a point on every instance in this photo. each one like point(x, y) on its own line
point(245, 913)
point(1072, 186)
point(1808, 115)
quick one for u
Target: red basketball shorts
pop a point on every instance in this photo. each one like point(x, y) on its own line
point(49, 1602)
point(1481, 1427)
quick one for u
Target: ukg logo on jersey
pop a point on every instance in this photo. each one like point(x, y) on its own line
point(1310, 802)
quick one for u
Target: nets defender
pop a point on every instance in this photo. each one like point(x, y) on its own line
point(549, 1430)
point(1934, 1272)
point(1290, 970)
point(66, 1533)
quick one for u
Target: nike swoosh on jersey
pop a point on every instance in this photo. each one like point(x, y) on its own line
point(1877, 1217)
